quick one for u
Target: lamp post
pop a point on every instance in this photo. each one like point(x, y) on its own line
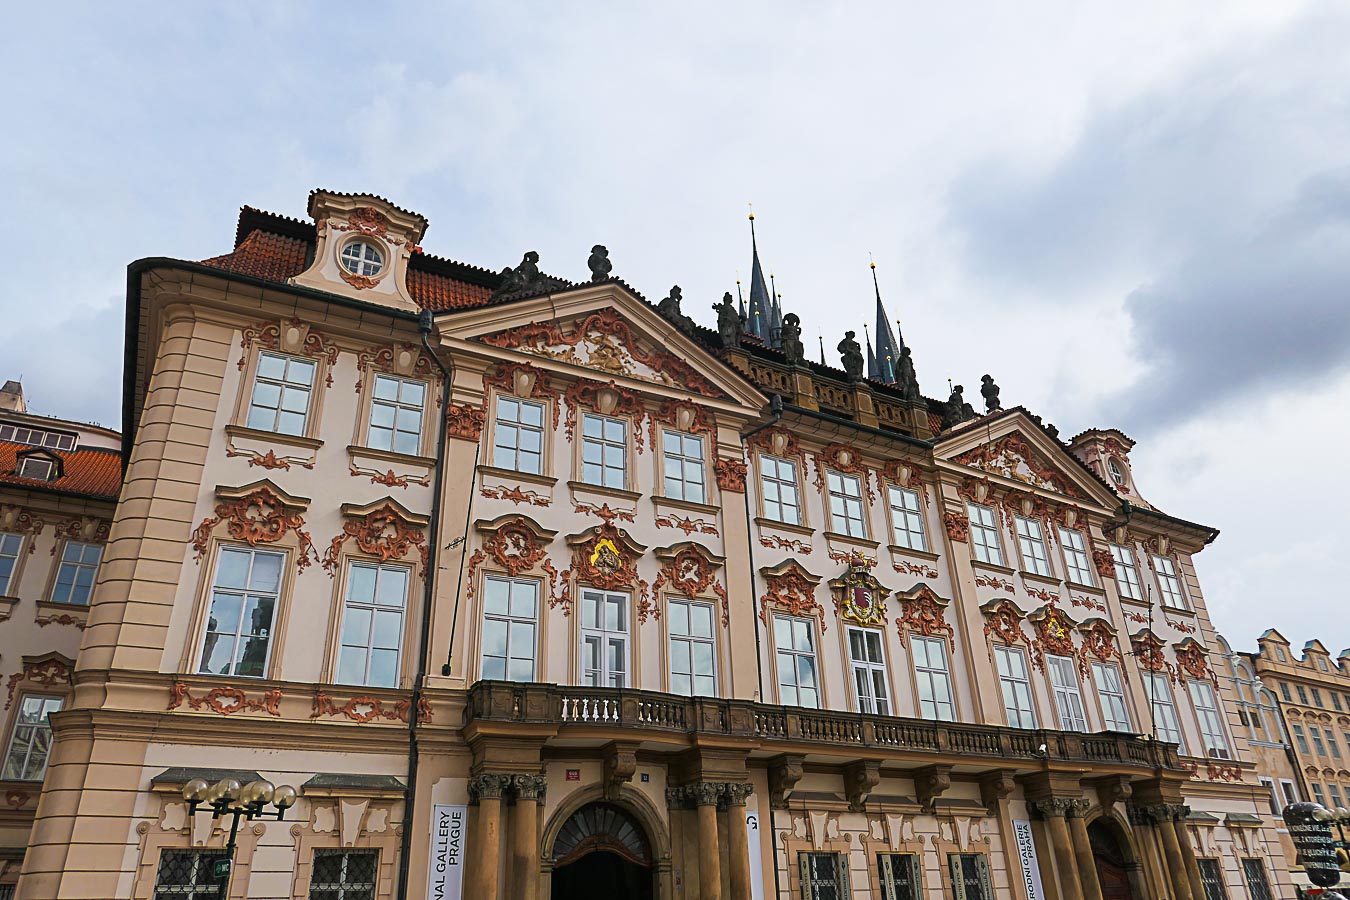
point(227, 798)
point(1342, 849)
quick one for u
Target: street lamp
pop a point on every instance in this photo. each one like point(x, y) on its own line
point(227, 798)
point(1342, 849)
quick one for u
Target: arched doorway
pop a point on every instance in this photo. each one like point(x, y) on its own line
point(602, 851)
point(1116, 867)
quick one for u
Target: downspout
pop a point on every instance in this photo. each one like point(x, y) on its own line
point(425, 325)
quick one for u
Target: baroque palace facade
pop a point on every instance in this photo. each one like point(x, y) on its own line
point(532, 589)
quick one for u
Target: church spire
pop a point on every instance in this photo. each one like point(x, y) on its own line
point(775, 314)
point(888, 345)
point(872, 373)
point(758, 319)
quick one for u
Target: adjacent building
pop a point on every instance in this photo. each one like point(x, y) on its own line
point(535, 589)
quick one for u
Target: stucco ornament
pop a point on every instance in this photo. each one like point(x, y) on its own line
point(858, 596)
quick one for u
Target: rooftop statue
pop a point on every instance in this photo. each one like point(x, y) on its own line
point(850, 352)
point(958, 410)
point(522, 278)
point(669, 309)
point(599, 263)
point(790, 337)
point(906, 379)
point(989, 391)
point(729, 324)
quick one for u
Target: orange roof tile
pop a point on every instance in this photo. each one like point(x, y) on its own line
point(437, 292)
point(88, 471)
point(264, 255)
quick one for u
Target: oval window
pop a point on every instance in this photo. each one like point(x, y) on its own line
point(1117, 474)
point(362, 258)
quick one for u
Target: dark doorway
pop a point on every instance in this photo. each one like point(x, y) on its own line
point(602, 852)
point(1113, 866)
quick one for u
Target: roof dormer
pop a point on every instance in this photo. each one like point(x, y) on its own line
point(364, 243)
point(1107, 451)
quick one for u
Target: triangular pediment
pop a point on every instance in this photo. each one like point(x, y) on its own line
point(1016, 448)
point(607, 333)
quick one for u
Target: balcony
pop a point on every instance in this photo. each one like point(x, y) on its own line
point(670, 718)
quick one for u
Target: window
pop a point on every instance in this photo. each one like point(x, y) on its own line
point(1317, 793)
point(779, 479)
point(188, 875)
point(1334, 790)
point(1115, 712)
point(604, 449)
point(31, 741)
point(900, 876)
point(1290, 791)
point(1336, 701)
point(1321, 664)
point(1076, 556)
point(1068, 699)
point(281, 392)
point(362, 258)
point(1317, 740)
point(10, 545)
point(38, 468)
point(238, 638)
point(1169, 584)
point(1269, 785)
point(372, 625)
point(343, 875)
point(1031, 540)
point(1334, 747)
point(1211, 876)
point(604, 639)
point(396, 415)
point(1127, 575)
point(1301, 738)
point(1254, 871)
point(684, 467)
point(693, 657)
point(846, 507)
point(970, 876)
point(510, 607)
point(1211, 723)
point(36, 437)
point(984, 534)
point(518, 438)
point(1302, 695)
point(1166, 726)
point(1284, 689)
point(868, 662)
point(1117, 474)
point(794, 641)
point(1317, 697)
point(1015, 682)
point(824, 876)
point(907, 519)
point(1280, 655)
point(75, 577)
point(932, 679)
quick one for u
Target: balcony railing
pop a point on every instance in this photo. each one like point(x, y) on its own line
point(572, 707)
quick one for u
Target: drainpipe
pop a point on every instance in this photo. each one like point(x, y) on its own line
point(425, 324)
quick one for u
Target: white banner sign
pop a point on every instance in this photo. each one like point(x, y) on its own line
point(447, 851)
point(1026, 852)
point(755, 848)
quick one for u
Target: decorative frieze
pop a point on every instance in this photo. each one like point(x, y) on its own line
point(369, 709)
point(47, 671)
point(225, 700)
point(386, 531)
point(258, 516)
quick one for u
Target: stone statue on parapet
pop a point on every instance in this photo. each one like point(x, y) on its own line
point(729, 324)
point(790, 339)
point(850, 353)
point(958, 410)
point(669, 309)
point(906, 379)
point(599, 263)
point(989, 391)
point(522, 278)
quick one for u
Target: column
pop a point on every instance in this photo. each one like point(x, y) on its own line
point(1179, 814)
point(738, 849)
point(487, 790)
point(1066, 864)
point(525, 835)
point(707, 794)
point(1082, 849)
point(1176, 866)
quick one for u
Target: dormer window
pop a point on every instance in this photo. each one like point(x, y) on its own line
point(37, 466)
point(362, 258)
point(1117, 473)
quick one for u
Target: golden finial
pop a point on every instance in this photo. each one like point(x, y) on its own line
point(752, 211)
point(871, 263)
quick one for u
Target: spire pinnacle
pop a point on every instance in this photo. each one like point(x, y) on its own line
point(759, 321)
point(888, 345)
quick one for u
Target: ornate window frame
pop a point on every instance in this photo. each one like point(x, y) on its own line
point(515, 546)
point(286, 337)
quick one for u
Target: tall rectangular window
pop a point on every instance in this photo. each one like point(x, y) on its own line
point(75, 577)
point(1167, 727)
point(846, 506)
point(281, 391)
point(510, 610)
point(693, 651)
point(518, 436)
point(188, 875)
point(1211, 722)
point(396, 415)
point(1015, 681)
point(984, 534)
point(795, 643)
point(1301, 738)
point(1318, 796)
point(1127, 574)
point(604, 451)
point(1115, 712)
point(372, 625)
point(1269, 785)
point(1284, 689)
point(26, 759)
point(1211, 876)
point(604, 639)
point(824, 876)
point(10, 545)
point(1254, 871)
point(1068, 699)
point(1302, 694)
point(970, 876)
point(1334, 747)
point(779, 480)
point(1031, 540)
point(1317, 740)
point(907, 519)
point(868, 662)
point(933, 679)
point(1334, 790)
point(684, 467)
point(238, 638)
point(1169, 584)
point(900, 876)
point(1076, 559)
point(1289, 790)
point(1317, 695)
point(343, 875)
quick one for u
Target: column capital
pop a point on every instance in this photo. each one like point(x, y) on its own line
point(490, 787)
point(735, 792)
point(704, 793)
point(1055, 807)
point(529, 787)
point(675, 797)
point(1077, 809)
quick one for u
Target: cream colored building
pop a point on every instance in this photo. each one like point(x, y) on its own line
point(595, 617)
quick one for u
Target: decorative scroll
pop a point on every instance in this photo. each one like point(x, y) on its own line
point(48, 671)
point(225, 701)
point(1183, 627)
point(775, 542)
point(852, 558)
point(607, 400)
point(258, 517)
point(994, 581)
point(17, 520)
point(605, 557)
point(682, 415)
point(1012, 457)
point(1223, 772)
point(524, 380)
point(957, 525)
point(925, 614)
point(1087, 603)
point(904, 567)
point(793, 590)
point(686, 524)
point(63, 619)
point(1054, 635)
point(368, 709)
point(1193, 659)
point(1138, 618)
point(691, 572)
point(516, 495)
point(845, 459)
point(268, 460)
point(1041, 594)
point(515, 546)
point(776, 441)
point(82, 528)
point(1099, 642)
point(298, 338)
point(1004, 623)
point(604, 513)
point(404, 359)
point(388, 479)
point(383, 532)
point(1148, 649)
point(731, 475)
point(906, 475)
point(464, 421)
point(1106, 565)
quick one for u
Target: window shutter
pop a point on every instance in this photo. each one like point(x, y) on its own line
point(804, 863)
point(915, 876)
point(986, 885)
point(841, 860)
point(958, 877)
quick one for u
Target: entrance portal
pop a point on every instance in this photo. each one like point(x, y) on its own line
point(1113, 865)
point(602, 851)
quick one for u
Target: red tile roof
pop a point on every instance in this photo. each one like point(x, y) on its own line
point(88, 471)
point(264, 255)
point(437, 292)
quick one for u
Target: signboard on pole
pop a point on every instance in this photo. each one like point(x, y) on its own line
point(1026, 852)
point(446, 869)
point(1310, 830)
point(754, 848)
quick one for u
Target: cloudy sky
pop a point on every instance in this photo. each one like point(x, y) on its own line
point(1137, 218)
